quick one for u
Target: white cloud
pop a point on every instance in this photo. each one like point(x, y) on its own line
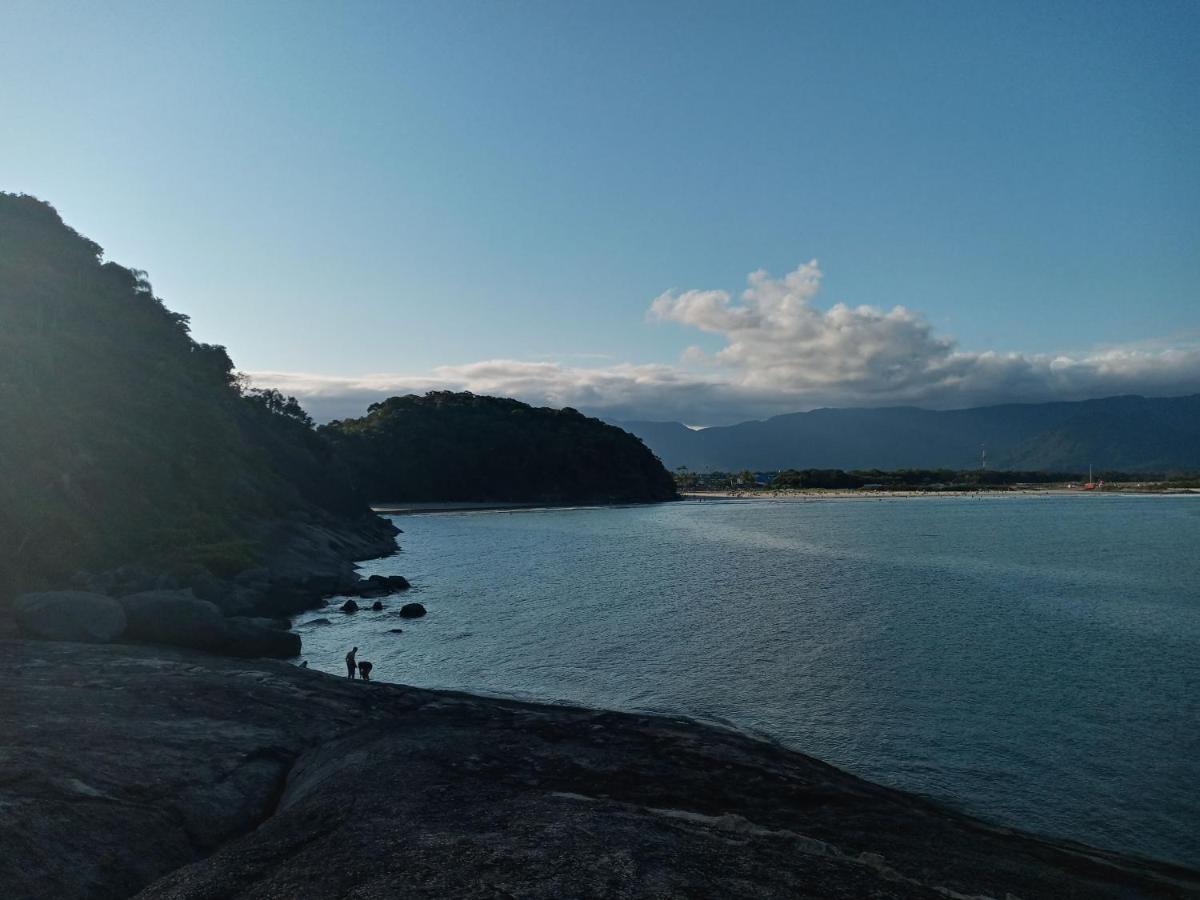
point(782, 353)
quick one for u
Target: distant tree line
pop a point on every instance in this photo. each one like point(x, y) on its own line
point(913, 478)
point(909, 479)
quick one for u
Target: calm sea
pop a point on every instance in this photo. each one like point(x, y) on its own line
point(1034, 660)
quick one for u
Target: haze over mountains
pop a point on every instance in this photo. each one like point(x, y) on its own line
point(1129, 433)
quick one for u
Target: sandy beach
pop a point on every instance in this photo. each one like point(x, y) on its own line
point(404, 508)
point(832, 494)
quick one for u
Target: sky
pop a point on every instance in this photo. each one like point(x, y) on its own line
point(703, 212)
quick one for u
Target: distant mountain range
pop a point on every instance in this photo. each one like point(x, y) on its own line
point(1130, 433)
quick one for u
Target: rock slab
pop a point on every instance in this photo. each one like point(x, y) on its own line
point(193, 776)
point(70, 616)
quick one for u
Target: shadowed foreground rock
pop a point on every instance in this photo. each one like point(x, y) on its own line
point(189, 776)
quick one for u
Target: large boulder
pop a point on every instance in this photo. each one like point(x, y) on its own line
point(174, 617)
point(70, 616)
point(179, 618)
point(231, 597)
point(391, 582)
point(378, 586)
point(250, 637)
point(412, 610)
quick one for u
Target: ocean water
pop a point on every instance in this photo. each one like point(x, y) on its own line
point(1033, 660)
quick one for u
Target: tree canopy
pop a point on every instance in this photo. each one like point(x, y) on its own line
point(122, 438)
point(459, 446)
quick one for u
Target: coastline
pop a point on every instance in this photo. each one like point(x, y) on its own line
point(452, 506)
point(835, 494)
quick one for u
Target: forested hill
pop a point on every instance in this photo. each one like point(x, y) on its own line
point(1131, 434)
point(125, 440)
point(458, 446)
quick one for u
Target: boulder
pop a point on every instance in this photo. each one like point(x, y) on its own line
point(412, 610)
point(395, 631)
point(232, 598)
point(248, 637)
point(379, 586)
point(280, 624)
point(317, 622)
point(174, 617)
point(349, 606)
point(207, 586)
point(70, 616)
point(377, 606)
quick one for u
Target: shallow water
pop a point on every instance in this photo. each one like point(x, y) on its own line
point(1034, 660)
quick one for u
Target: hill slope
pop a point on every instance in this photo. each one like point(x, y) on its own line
point(457, 446)
point(1126, 433)
point(124, 440)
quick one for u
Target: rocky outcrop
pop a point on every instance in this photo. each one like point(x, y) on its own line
point(378, 586)
point(69, 616)
point(305, 561)
point(242, 616)
point(174, 617)
point(412, 611)
point(178, 618)
point(196, 776)
point(250, 637)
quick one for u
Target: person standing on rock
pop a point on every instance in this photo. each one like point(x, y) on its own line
point(351, 663)
point(364, 670)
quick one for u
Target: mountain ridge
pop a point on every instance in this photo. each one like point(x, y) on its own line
point(1128, 432)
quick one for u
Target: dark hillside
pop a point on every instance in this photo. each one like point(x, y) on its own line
point(123, 439)
point(448, 446)
point(1133, 434)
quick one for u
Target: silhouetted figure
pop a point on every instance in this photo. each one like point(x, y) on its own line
point(351, 663)
point(364, 670)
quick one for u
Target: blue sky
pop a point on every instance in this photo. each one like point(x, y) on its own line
point(359, 198)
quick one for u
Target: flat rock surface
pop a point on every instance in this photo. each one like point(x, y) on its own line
point(182, 775)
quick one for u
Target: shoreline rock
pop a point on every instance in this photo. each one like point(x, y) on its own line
point(70, 616)
point(243, 616)
point(258, 778)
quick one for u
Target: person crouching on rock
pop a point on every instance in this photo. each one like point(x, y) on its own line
point(350, 663)
point(364, 670)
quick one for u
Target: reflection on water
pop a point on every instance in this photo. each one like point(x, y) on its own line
point(1034, 660)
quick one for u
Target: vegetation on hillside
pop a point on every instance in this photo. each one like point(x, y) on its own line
point(123, 438)
point(916, 479)
point(458, 446)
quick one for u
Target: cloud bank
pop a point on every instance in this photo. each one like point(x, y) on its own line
point(781, 354)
